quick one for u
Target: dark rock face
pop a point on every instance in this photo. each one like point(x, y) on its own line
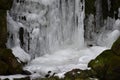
point(12, 66)
point(3, 28)
point(4, 5)
point(8, 62)
point(25, 72)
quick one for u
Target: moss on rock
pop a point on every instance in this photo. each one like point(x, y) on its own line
point(116, 47)
point(75, 74)
point(99, 65)
point(105, 65)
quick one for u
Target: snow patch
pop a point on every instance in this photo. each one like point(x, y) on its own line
point(21, 54)
point(108, 39)
point(11, 77)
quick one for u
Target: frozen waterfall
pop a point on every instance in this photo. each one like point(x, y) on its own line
point(58, 34)
point(43, 27)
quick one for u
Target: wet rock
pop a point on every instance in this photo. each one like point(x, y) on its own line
point(6, 79)
point(6, 4)
point(14, 67)
point(25, 72)
point(89, 7)
point(3, 68)
point(3, 28)
point(106, 66)
point(73, 73)
point(8, 62)
point(77, 74)
point(25, 78)
point(116, 47)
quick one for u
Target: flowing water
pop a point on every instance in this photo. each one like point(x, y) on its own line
point(55, 33)
point(44, 27)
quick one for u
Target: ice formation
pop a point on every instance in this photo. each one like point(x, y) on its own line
point(52, 33)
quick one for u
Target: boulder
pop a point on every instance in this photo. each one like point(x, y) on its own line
point(14, 67)
point(106, 66)
point(25, 72)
